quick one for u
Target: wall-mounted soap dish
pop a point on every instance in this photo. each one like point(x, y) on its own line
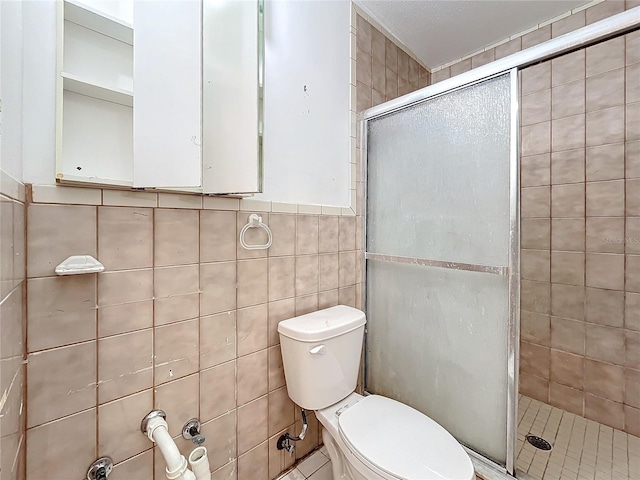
point(79, 264)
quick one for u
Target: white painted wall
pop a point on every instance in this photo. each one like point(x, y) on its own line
point(306, 113)
point(306, 144)
point(11, 88)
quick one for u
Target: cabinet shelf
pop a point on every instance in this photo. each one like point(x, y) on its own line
point(76, 84)
point(100, 22)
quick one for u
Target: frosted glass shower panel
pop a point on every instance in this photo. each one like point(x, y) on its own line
point(438, 175)
point(437, 340)
point(439, 224)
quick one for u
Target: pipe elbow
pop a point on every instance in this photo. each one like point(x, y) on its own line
point(153, 425)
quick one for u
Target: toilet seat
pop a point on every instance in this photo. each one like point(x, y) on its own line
point(402, 442)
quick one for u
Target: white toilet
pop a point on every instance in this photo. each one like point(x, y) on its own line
point(368, 438)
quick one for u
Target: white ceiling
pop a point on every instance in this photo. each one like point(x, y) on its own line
point(441, 31)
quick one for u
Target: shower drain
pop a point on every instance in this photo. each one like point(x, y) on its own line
point(539, 442)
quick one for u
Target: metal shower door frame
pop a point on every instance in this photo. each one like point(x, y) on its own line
point(600, 31)
point(512, 270)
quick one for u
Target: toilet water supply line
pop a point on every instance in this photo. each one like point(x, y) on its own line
point(158, 432)
point(284, 442)
point(305, 426)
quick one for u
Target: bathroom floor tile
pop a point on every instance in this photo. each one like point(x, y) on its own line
point(312, 463)
point(324, 473)
point(582, 448)
point(315, 466)
point(293, 475)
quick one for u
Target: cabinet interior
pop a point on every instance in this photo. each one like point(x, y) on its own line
point(96, 78)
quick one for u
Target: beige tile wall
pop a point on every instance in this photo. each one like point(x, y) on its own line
point(384, 70)
point(183, 319)
point(12, 346)
point(580, 175)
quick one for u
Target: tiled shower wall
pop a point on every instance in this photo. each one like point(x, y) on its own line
point(12, 287)
point(384, 70)
point(580, 259)
point(183, 319)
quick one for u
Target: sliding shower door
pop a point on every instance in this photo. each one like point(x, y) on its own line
point(442, 261)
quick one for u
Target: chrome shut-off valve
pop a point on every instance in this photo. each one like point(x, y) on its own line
point(100, 469)
point(284, 442)
point(191, 431)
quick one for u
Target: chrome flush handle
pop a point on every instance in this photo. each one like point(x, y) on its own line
point(317, 350)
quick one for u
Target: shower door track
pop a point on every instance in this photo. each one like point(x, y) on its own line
point(597, 32)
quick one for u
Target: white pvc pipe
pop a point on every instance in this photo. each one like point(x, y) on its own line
point(158, 432)
point(181, 473)
point(199, 461)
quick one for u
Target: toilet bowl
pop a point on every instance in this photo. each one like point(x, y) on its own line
point(367, 437)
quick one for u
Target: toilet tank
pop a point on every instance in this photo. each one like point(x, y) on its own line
point(321, 353)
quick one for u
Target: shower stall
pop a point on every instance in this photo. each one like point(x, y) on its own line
point(442, 247)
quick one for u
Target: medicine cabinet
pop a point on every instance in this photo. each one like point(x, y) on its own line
point(167, 95)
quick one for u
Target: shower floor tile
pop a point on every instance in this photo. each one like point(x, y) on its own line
point(582, 449)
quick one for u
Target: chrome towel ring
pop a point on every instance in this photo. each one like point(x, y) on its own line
point(255, 221)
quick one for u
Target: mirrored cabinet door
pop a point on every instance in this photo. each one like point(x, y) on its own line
point(170, 98)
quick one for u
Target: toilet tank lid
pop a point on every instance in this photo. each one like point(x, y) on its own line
point(323, 324)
